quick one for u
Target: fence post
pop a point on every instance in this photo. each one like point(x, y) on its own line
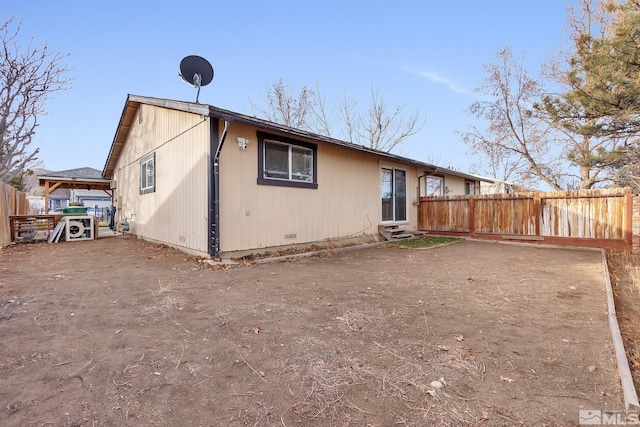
point(537, 213)
point(635, 224)
point(472, 215)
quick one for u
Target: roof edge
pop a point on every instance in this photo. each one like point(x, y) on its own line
point(222, 114)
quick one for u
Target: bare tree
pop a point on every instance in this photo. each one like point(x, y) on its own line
point(585, 134)
point(347, 109)
point(381, 126)
point(438, 159)
point(515, 131)
point(323, 119)
point(503, 165)
point(285, 107)
point(28, 76)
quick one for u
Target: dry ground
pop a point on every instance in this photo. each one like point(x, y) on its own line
point(624, 269)
point(121, 332)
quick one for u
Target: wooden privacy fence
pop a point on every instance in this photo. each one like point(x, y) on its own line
point(593, 218)
point(12, 202)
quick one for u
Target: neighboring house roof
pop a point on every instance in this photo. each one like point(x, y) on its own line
point(61, 193)
point(85, 172)
point(133, 101)
point(82, 176)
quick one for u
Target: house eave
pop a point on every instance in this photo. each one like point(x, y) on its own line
point(133, 101)
point(43, 178)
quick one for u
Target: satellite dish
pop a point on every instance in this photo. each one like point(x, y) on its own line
point(196, 71)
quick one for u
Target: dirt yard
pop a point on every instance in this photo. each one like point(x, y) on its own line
point(625, 281)
point(122, 332)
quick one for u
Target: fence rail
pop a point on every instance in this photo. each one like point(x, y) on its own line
point(12, 202)
point(593, 218)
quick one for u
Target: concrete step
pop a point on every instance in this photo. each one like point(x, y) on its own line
point(397, 230)
point(401, 236)
point(394, 232)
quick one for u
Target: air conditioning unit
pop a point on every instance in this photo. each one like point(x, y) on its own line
point(113, 184)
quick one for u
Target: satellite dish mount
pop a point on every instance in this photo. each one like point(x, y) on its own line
point(196, 71)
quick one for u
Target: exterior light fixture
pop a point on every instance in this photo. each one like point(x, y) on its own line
point(243, 143)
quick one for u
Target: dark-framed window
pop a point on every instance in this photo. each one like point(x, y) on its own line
point(286, 162)
point(148, 174)
point(469, 187)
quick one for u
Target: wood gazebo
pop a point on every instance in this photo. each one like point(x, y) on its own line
point(80, 179)
point(53, 183)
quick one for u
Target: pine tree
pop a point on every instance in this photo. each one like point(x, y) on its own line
point(601, 106)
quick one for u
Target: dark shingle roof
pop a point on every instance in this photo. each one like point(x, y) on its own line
point(132, 102)
point(85, 172)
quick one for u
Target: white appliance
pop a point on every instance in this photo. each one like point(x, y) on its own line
point(79, 227)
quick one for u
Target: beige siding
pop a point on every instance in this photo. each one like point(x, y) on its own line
point(176, 213)
point(345, 204)
point(454, 185)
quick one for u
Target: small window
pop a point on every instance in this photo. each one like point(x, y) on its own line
point(469, 187)
point(434, 186)
point(148, 174)
point(286, 162)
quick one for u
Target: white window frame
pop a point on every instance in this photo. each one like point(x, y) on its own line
point(427, 192)
point(291, 180)
point(148, 181)
point(291, 176)
point(469, 187)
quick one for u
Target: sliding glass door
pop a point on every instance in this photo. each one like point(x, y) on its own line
point(393, 185)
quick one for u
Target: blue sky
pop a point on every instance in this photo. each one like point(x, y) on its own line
point(427, 55)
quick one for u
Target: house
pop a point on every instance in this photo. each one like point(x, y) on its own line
point(58, 200)
point(496, 186)
point(217, 183)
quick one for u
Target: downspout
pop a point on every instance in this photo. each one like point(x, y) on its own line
point(214, 238)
